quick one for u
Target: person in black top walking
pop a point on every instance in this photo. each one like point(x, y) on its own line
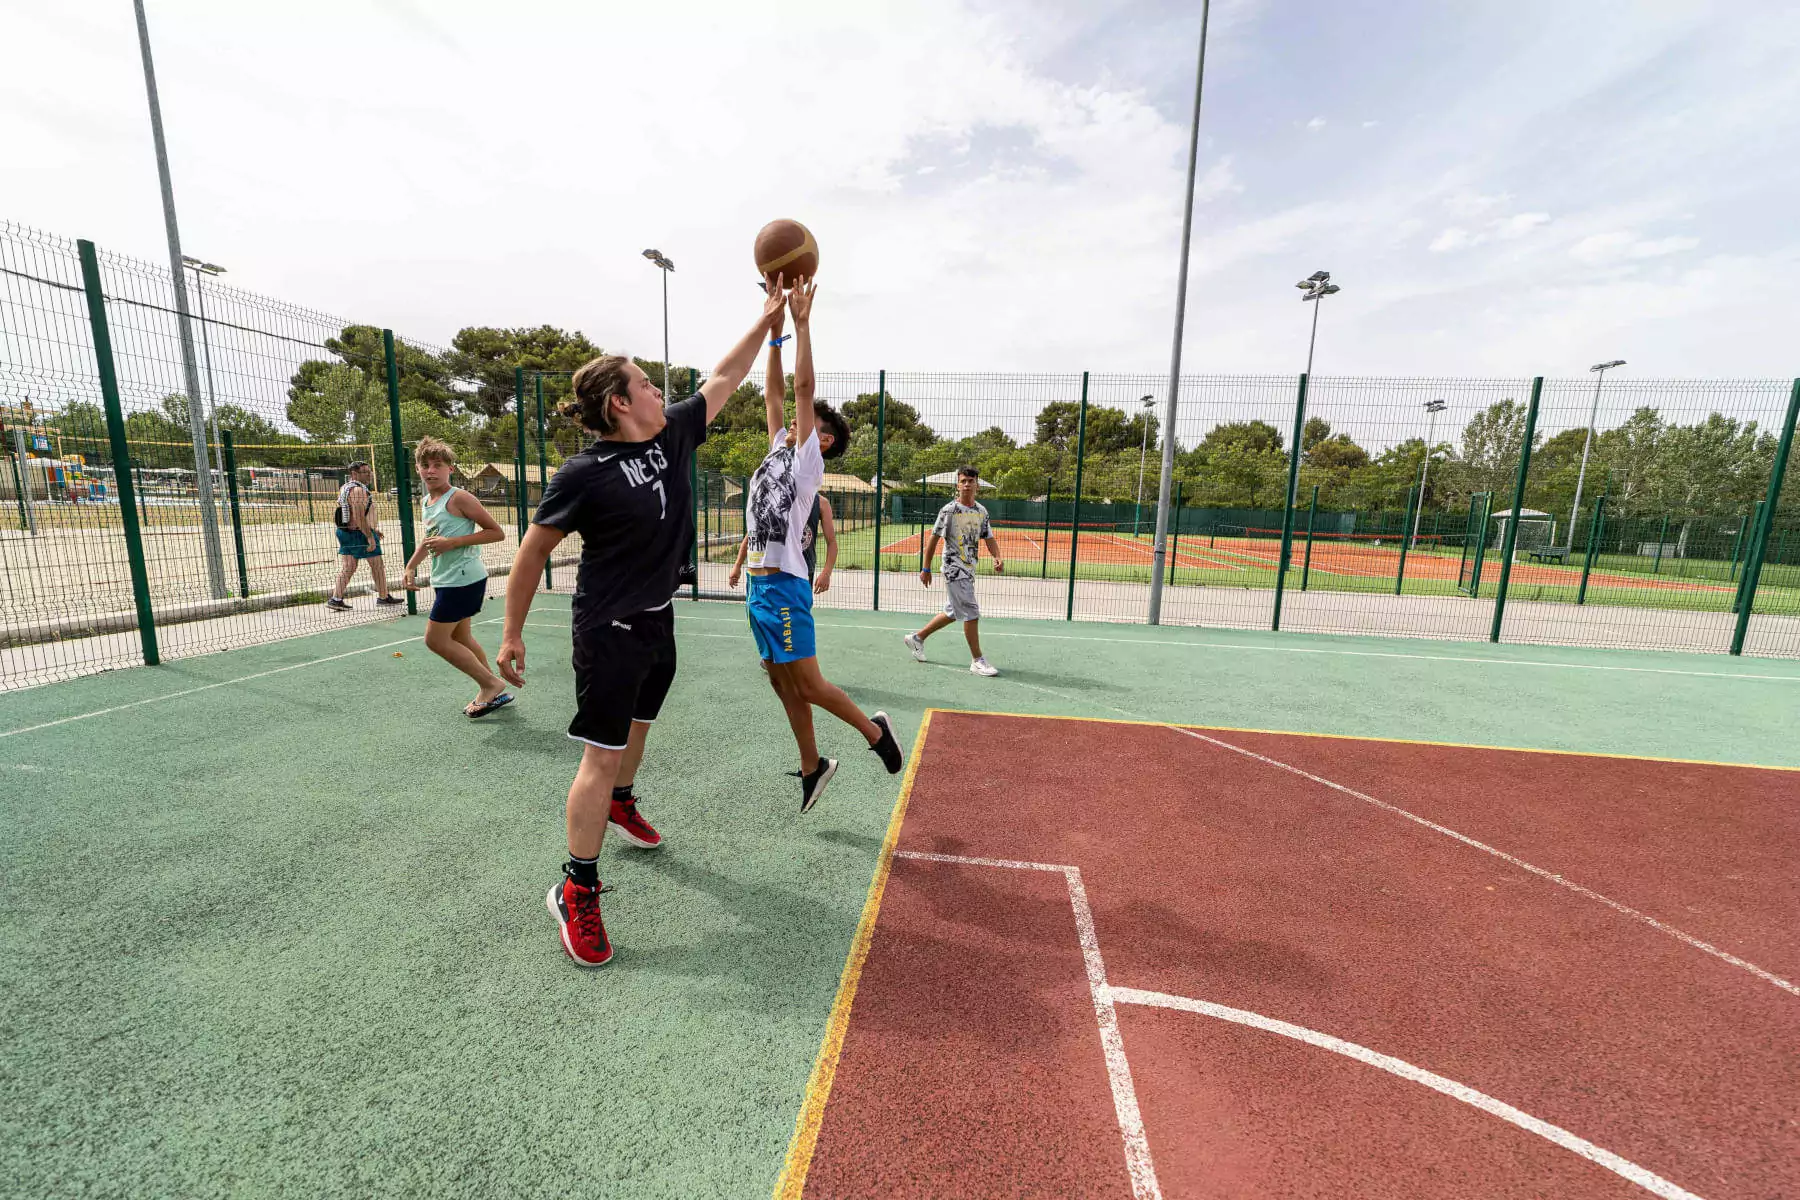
point(628, 497)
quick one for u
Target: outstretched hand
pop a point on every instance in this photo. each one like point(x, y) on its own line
point(800, 300)
point(774, 301)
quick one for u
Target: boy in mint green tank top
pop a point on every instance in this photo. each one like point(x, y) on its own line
point(456, 527)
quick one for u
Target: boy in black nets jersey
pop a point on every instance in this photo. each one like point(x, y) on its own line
point(629, 498)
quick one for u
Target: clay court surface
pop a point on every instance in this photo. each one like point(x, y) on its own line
point(275, 925)
point(1116, 959)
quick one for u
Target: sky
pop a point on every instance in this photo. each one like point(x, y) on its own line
point(1500, 189)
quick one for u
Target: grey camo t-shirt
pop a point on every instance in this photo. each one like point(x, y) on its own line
point(963, 528)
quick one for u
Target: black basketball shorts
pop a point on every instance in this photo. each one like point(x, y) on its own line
point(623, 669)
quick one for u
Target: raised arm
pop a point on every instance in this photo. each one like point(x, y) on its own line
point(737, 362)
point(800, 304)
point(828, 531)
point(775, 384)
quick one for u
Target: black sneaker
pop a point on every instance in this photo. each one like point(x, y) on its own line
point(390, 600)
point(687, 575)
point(813, 786)
point(887, 747)
point(338, 604)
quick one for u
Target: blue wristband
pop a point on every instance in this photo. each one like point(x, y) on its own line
point(775, 343)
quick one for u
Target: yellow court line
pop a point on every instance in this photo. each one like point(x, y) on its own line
point(1363, 737)
point(818, 1088)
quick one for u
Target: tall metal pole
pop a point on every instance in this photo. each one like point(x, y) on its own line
point(1314, 339)
point(1159, 554)
point(665, 275)
point(212, 399)
point(1137, 511)
point(1586, 444)
point(1425, 467)
point(209, 516)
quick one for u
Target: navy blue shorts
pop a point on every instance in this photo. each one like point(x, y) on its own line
point(453, 604)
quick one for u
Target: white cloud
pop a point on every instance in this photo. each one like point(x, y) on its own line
point(1451, 239)
point(1519, 224)
point(1623, 244)
point(1316, 124)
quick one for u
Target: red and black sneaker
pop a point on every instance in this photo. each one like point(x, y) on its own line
point(577, 913)
point(628, 823)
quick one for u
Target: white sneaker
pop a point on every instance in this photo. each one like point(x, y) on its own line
point(916, 644)
point(982, 666)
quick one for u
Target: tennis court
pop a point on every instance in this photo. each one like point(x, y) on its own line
point(276, 920)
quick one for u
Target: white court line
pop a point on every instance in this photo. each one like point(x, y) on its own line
point(1540, 872)
point(1106, 996)
point(1112, 1045)
point(1492, 662)
point(101, 712)
point(1648, 1180)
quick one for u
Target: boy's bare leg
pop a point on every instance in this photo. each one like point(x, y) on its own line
point(590, 800)
point(799, 713)
point(441, 640)
point(378, 572)
point(932, 626)
point(814, 688)
point(346, 569)
point(633, 754)
point(972, 631)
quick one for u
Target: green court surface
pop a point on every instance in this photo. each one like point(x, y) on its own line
point(276, 926)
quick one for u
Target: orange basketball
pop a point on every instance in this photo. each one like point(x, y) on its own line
point(786, 247)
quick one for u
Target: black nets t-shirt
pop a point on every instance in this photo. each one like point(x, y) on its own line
point(634, 509)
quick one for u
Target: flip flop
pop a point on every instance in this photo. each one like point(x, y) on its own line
point(482, 710)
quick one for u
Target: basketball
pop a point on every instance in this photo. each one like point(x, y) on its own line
point(786, 247)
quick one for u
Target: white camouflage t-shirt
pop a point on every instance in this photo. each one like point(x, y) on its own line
point(963, 528)
point(780, 500)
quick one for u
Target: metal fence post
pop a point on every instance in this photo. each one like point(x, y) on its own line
point(880, 474)
point(519, 455)
point(121, 451)
point(402, 476)
point(544, 476)
point(27, 519)
point(237, 520)
point(1075, 517)
point(1512, 525)
point(1661, 539)
point(1287, 505)
point(1753, 572)
point(1405, 537)
point(1312, 517)
point(1758, 517)
point(1049, 490)
point(1593, 546)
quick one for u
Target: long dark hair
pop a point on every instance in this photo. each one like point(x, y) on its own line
point(596, 382)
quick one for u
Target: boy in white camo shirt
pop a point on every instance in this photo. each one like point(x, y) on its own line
point(962, 525)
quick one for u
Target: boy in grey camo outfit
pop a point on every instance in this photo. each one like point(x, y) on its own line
point(962, 526)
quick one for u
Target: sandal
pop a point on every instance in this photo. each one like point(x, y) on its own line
point(481, 710)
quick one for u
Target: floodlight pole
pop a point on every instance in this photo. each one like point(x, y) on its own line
point(1600, 370)
point(209, 517)
point(1434, 407)
point(665, 265)
point(1159, 555)
point(1137, 512)
point(212, 398)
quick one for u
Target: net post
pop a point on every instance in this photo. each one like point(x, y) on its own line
point(880, 473)
point(121, 450)
point(1075, 516)
point(1593, 544)
point(1312, 516)
point(544, 474)
point(519, 454)
point(1413, 497)
point(237, 520)
point(402, 476)
point(1512, 525)
point(1287, 506)
point(1753, 572)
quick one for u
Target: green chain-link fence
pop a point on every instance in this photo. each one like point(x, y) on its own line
point(138, 524)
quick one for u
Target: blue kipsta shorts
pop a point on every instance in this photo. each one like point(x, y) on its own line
point(780, 611)
point(352, 543)
point(452, 604)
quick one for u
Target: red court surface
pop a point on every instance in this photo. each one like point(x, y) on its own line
point(1109, 959)
point(1099, 547)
